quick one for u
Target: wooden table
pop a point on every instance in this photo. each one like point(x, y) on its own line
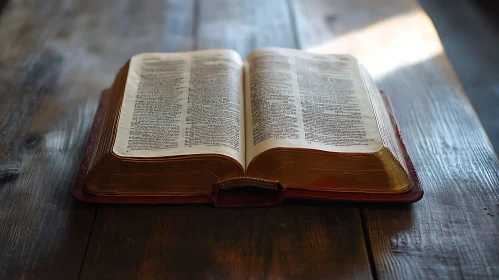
point(56, 57)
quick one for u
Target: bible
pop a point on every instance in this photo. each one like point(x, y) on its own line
point(206, 126)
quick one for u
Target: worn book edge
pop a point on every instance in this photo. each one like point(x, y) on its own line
point(231, 193)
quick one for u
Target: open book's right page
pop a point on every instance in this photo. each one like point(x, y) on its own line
point(295, 99)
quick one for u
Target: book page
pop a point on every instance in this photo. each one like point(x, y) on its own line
point(182, 104)
point(296, 99)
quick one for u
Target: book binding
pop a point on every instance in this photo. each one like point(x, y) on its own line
point(243, 191)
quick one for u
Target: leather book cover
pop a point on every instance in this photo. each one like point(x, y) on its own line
point(235, 192)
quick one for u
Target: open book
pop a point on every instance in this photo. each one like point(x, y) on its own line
point(186, 124)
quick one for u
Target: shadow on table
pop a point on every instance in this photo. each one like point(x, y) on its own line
point(295, 239)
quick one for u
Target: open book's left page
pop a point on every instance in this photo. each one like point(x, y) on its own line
point(182, 104)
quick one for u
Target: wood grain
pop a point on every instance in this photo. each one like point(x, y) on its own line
point(39, 223)
point(244, 25)
point(292, 240)
point(473, 50)
point(206, 242)
point(452, 233)
point(55, 58)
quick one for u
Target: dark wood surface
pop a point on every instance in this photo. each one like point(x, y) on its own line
point(473, 49)
point(56, 57)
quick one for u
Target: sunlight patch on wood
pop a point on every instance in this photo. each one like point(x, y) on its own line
point(377, 49)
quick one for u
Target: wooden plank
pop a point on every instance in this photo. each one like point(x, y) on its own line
point(244, 25)
point(452, 233)
point(292, 240)
point(55, 58)
point(302, 241)
point(473, 50)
